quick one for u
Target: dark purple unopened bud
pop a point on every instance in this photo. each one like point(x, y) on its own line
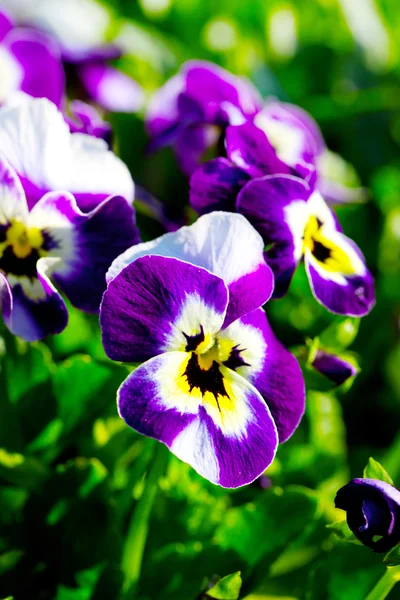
point(336, 369)
point(373, 512)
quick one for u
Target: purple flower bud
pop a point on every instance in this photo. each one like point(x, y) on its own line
point(373, 512)
point(336, 369)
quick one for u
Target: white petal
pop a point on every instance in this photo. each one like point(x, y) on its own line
point(224, 243)
point(36, 140)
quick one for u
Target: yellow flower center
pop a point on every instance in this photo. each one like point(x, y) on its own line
point(332, 257)
point(22, 239)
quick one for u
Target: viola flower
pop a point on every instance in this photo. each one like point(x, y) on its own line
point(55, 239)
point(217, 387)
point(281, 139)
point(194, 107)
point(30, 62)
point(296, 224)
point(37, 142)
point(79, 28)
point(297, 139)
point(84, 118)
point(373, 512)
point(335, 368)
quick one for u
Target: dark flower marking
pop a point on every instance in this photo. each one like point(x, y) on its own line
point(210, 380)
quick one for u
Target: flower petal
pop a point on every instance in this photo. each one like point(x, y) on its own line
point(156, 303)
point(113, 90)
point(5, 24)
point(87, 243)
point(277, 207)
point(40, 58)
point(271, 369)
point(229, 439)
point(249, 148)
point(37, 142)
point(215, 185)
point(339, 279)
point(335, 368)
point(34, 309)
point(12, 197)
point(224, 244)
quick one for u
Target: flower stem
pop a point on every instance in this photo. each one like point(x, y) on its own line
point(139, 525)
point(385, 584)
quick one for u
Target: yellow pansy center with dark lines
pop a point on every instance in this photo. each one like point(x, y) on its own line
point(325, 251)
point(20, 248)
point(204, 374)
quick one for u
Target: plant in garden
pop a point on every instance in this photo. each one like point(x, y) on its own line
point(216, 342)
point(217, 387)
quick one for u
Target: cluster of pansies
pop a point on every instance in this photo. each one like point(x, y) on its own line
point(215, 384)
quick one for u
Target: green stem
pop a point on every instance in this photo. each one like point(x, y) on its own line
point(385, 584)
point(139, 525)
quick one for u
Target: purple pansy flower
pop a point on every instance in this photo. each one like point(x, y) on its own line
point(30, 61)
point(373, 512)
point(334, 367)
point(297, 139)
point(37, 142)
point(55, 239)
point(193, 108)
point(79, 28)
point(281, 139)
point(217, 387)
point(296, 224)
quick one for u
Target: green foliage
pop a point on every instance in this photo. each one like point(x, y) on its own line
point(73, 476)
point(227, 588)
point(374, 470)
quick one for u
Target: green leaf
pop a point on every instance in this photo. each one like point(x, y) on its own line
point(9, 560)
point(244, 528)
point(342, 530)
point(227, 588)
point(340, 334)
point(24, 472)
point(392, 558)
point(374, 470)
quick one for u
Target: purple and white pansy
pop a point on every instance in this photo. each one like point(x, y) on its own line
point(217, 387)
point(37, 141)
point(30, 61)
point(194, 107)
point(296, 224)
point(53, 242)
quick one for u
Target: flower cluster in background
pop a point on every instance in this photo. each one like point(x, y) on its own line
point(219, 318)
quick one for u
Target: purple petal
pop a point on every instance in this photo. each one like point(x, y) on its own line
point(276, 206)
point(335, 368)
point(162, 112)
point(36, 312)
point(111, 88)
point(271, 369)
point(351, 295)
point(207, 83)
point(215, 185)
point(6, 24)
point(229, 438)
point(157, 303)
point(85, 119)
point(248, 148)
point(87, 243)
point(223, 243)
point(299, 121)
point(40, 58)
point(191, 144)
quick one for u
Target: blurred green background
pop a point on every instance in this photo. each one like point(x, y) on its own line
point(79, 506)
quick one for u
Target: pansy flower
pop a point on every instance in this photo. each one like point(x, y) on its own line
point(54, 239)
point(216, 386)
point(373, 512)
point(30, 62)
point(296, 224)
point(79, 28)
point(36, 140)
point(281, 139)
point(195, 106)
